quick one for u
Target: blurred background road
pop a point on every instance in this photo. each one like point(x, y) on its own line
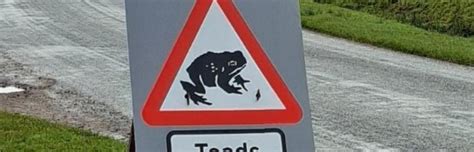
point(362, 97)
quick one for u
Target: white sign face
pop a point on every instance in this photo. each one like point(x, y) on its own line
point(215, 64)
point(266, 140)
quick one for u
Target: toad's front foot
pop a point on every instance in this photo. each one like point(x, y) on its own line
point(233, 90)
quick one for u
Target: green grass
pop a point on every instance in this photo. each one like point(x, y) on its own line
point(367, 28)
point(455, 17)
point(21, 133)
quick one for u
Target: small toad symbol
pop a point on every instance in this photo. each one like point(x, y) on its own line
point(215, 69)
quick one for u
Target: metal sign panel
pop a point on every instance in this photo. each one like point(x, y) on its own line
point(213, 75)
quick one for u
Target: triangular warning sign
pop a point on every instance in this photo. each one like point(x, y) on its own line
point(218, 74)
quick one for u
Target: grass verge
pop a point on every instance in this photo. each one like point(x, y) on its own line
point(452, 17)
point(366, 28)
point(22, 133)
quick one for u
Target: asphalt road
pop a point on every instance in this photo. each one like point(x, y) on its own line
point(362, 97)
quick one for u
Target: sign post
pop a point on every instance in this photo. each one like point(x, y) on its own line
point(218, 76)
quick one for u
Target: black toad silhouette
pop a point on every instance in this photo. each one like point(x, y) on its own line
point(215, 69)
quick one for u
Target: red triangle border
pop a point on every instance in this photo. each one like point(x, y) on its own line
point(153, 117)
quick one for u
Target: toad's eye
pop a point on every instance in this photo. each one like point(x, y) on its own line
point(232, 63)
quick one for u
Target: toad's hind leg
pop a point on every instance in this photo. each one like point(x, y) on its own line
point(191, 94)
point(198, 86)
point(192, 90)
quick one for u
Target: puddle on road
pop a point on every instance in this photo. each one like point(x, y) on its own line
point(10, 89)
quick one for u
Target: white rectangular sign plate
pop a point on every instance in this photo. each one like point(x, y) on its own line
point(261, 140)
